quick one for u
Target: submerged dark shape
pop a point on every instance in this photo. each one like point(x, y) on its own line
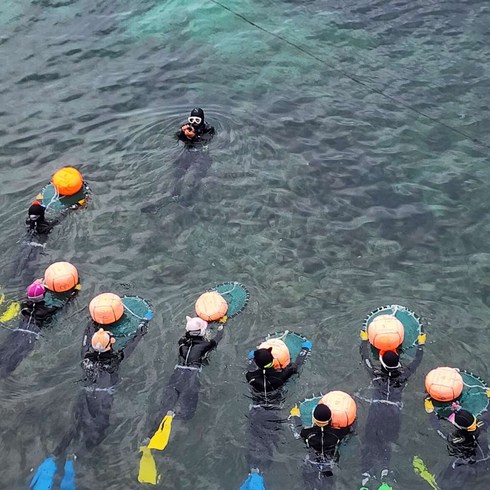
point(190, 168)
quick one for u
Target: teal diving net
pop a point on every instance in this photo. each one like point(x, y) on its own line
point(473, 398)
point(52, 200)
point(235, 294)
point(136, 310)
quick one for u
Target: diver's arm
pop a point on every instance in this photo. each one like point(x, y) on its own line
point(366, 361)
point(295, 423)
point(87, 338)
point(287, 372)
point(300, 358)
point(133, 342)
point(218, 337)
point(412, 367)
point(209, 130)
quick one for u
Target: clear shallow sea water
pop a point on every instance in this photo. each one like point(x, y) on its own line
point(324, 197)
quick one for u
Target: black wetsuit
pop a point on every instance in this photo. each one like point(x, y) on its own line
point(101, 375)
point(384, 416)
point(323, 443)
point(471, 454)
point(265, 415)
point(266, 383)
point(19, 343)
point(40, 226)
point(181, 393)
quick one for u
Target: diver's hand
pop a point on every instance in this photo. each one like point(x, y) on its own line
point(144, 327)
point(188, 130)
point(307, 345)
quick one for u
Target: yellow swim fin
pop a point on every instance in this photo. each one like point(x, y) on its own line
point(428, 405)
point(421, 470)
point(160, 438)
point(13, 310)
point(148, 468)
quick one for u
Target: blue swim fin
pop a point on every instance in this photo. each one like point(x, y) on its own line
point(255, 481)
point(43, 478)
point(68, 482)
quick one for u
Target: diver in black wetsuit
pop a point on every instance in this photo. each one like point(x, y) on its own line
point(384, 416)
point(468, 444)
point(35, 315)
point(196, 130)
point(181, 394)
point(266, 381)
point(265, 415)
point(38, 228)
point(324, 441)
point(100, 365)
point(192, 165)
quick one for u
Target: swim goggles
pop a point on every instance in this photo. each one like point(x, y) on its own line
point(321, 423)
point(194, 120)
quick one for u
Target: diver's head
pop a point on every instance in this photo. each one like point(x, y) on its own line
point(263, 358)
point(197, 117)
point(464, 420)
point(196, 326)
point(36, 211)
point(36, 291)
point(322, 415)
point(390, 360)
point(102, 340)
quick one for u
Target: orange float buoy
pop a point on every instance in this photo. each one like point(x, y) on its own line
point(444, 384)
point(60, 277)
point(106, 308)
point(67, 181)
point(280, 352)
point(386, 332)
point(342, 406)
point(211, 306)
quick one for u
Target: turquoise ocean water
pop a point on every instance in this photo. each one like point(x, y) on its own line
point(349, 170)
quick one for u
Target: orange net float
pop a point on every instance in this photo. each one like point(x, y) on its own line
point(386, 332)
point(342, 406)
point(211, 306)
point(280, 352)
point(444, 384)
point(106, 308)
point(67, 181)
point(61, 277)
